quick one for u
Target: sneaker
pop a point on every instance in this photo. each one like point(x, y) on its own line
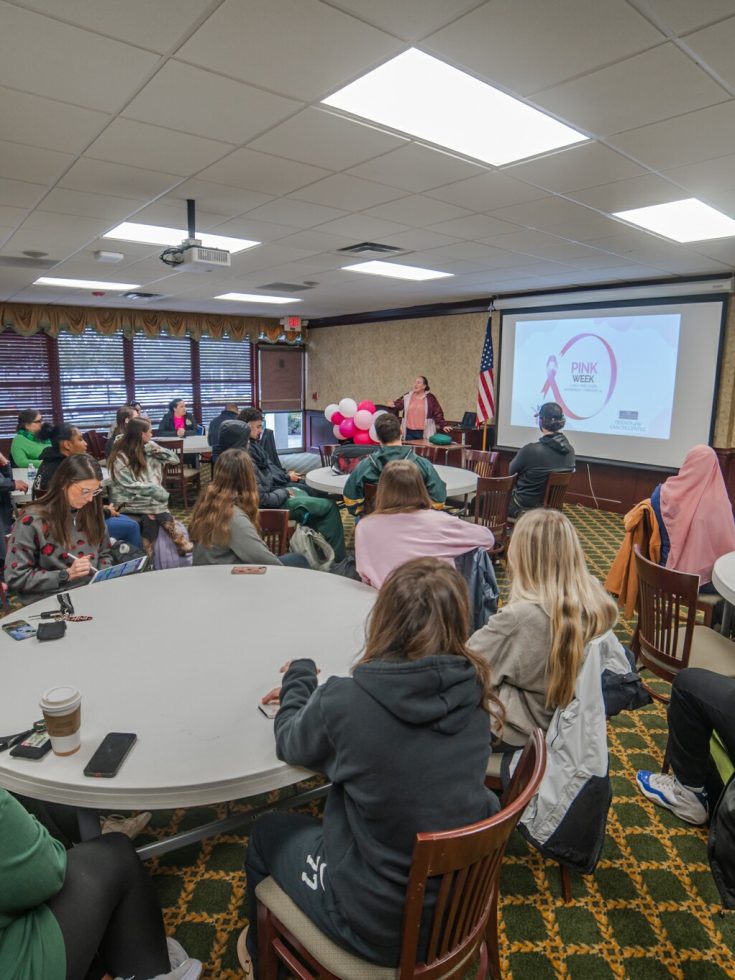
point(243, 954)
point(116, 823)
point(176, 953)
point(188, 970)
point(668, 792)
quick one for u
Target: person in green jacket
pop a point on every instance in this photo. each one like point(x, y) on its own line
point(388, 428)
point(26, 446)
point(71, 915)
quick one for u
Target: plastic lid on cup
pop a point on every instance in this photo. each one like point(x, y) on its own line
point(60, 700)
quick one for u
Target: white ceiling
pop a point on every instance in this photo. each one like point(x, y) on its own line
point(112, 111)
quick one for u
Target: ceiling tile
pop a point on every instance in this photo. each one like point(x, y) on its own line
point(156, 26)
point(643, 89)
point(155, 148)
point(11, 217)
point(562, 217)
point(299, 214)
point(361, 227)
point(714, 47)
point(300, 48)
point(20, 162)
point(42, 122)
point(57, 234)
point(712, 180)
point(85, 205)
point(172, 214)
point(228, 201)
point(314, 241)
point(409, 19)
point(111, 71)
point(622, 195)
point(688, 138)
point(260, 231)
point(473, 226)
point(527, 46)
point(195, 101)
point(418, 211)
point(326, 140)
point(100, 177)
point(575, 167)
point(542, 245)
point(484, 255)
point(487, 191)
point(419, 239)
point(261, 172)
point(20, 194)
point(723, 250)
point(416, 168)
point(683, 15)
point(350, 193)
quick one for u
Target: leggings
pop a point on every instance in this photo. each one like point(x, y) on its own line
point(108, 913)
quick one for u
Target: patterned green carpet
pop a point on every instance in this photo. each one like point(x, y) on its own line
point(649, 911)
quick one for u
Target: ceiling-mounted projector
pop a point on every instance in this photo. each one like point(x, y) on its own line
point(191, 256)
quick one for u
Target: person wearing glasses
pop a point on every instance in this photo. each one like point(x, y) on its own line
point(61, 540)
point(27, 444)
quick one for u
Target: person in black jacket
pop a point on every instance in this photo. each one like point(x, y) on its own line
point(7, 485)
point(404, 742)
point(228, 414)
point(177, 421)
point(552, 453)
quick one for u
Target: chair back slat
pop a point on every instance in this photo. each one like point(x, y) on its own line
point(480, 462)
point(492, 501)
point(274, 529)
point(369, 492)
point(326, 454)
point(667, 609)
point(557, 485)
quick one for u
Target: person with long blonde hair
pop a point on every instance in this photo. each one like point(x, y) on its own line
point(536, 644)
point(404, 743)
point(224, 524)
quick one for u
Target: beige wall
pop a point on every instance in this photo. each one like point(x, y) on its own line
point(379, 361)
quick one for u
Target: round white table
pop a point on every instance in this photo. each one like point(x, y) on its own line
point(458, 481)
point(21, 473)
point(194, 445)
point(181, 658)
point(723, 579)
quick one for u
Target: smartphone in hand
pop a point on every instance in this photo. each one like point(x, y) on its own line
point(270, 710)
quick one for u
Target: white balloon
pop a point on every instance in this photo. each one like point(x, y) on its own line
point(337, 434)
point(373, 434)
point(363, 419)
point(382, 411)
point(330, 410)
point(348, 407)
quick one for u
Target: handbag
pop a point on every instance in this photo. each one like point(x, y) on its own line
point(313, 546)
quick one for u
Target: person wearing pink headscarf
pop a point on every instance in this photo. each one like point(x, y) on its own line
point(695, 517)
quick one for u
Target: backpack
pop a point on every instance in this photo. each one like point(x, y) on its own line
point(721, 845)
point(313, 546)
point(346, 458)
point(165, 554)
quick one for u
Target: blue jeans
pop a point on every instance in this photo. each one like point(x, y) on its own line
point(125, 529)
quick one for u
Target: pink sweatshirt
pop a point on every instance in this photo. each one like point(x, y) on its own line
point(385, 541)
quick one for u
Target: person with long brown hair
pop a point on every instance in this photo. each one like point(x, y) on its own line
point(404, 742)
point(406, 525)
point(224, 524)
point(136, 483)
point(536, 644)
point(61, 540)
point(123, 415)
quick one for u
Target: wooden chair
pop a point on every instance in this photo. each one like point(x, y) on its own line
point(466, 861)
point(96, 443)
point(179, 477)
point(369, 492)
point(482, 463)
point(274, 530)
point(667, 638)
point(326, 454)
point(557, 485)
point(317, 451)
point(492, 501)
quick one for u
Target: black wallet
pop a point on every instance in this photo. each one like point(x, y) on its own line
point(51, 631)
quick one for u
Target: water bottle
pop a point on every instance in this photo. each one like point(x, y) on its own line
point(32, 470)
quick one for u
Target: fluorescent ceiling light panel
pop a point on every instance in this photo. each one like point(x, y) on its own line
point(129, 231)
point(253, 298)
point(689, 220)
point(86, 284)
point(394, 271)
point(424, 97)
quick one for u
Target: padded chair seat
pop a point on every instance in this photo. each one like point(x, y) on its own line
point(331, 956)
point(190, 472)
point(710, 651)
point(493, 765)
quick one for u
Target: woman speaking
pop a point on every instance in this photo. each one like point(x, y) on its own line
point(422, 413)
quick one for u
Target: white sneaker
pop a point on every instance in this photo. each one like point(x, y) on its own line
point(668, 792)
point(116, 823)
point(186, 970)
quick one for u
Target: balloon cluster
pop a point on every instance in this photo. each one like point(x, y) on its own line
point(352, 421)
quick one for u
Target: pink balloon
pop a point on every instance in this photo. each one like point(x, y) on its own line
point(347, 428)
point(366, 406)
point(337, 433)
point(363, 418)
point(336, 418)
point(362, 438)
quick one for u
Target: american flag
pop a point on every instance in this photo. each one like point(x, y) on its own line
point(486, 383)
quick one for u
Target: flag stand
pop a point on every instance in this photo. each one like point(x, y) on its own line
point(484, 436)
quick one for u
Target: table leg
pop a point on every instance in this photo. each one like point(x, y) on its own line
point(89, 823)
point(726, 623)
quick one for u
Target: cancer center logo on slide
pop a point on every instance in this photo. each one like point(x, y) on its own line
point(586, 381)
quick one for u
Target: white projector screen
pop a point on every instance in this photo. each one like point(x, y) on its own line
point(636, 381)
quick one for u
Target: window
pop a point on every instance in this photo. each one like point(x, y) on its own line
point(92, 378)
point(162, 373)
point(225, 373)
point(288, 428)
point(26, 381)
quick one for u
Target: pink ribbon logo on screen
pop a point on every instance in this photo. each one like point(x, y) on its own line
point(582, 378)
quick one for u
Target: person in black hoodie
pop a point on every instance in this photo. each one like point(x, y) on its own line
point(552, 453)
point(405, 744)
point(228, 414)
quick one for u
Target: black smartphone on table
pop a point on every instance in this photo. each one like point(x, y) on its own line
point(106, 761)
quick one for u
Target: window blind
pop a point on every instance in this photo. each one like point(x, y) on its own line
point(91, 378)
point(24, 378)
point(162, 373)
point(226, 374)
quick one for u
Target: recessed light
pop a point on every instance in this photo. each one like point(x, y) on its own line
point(394, 271)
point(424, 97)
point(689, 220)
point(253, 298)
point(129, 231)
point(86, 284)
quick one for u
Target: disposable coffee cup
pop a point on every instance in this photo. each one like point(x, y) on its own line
point(62, 709)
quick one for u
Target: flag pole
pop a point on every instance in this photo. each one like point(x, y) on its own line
point(484, 435)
